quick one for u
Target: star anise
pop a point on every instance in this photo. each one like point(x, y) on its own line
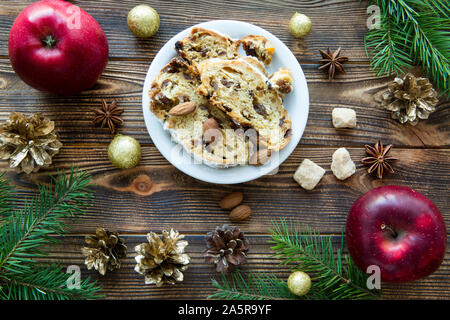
point(109, 115)
point(378, 159)
point(332, 61)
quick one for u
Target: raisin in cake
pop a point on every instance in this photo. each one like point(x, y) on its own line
point(226, 147)
point(205, 44)
point(247, 96)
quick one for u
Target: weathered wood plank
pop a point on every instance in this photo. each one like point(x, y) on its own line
point(360, 89)
point(335, 23)
point(125, 283)
point(157, 194)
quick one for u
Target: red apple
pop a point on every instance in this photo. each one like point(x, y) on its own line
point(397, 229)
point(57, 47)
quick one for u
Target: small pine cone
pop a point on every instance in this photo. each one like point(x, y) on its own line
point(226, 247)
point(410, 99)
point(104, 251)
point(162, 260)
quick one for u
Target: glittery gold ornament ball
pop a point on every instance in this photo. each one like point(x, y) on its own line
point(300, 25)
point(299, 283)
point(143, 21)
point(124, 152)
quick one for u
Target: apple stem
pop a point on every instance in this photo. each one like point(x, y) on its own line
point(49, 41)
point(391, 231)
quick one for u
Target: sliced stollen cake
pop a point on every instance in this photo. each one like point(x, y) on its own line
point(246, 95)
point(203, 44)
point(223, 147)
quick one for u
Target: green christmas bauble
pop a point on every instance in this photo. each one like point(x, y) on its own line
point(143, 21)
point(124, 152)
point(299, 283)
point(300, 25)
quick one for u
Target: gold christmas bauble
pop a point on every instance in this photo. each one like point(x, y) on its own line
point(143, 21)
point(124, 152)
point(299, 283)
point(300, 25)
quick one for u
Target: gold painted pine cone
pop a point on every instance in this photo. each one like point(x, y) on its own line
point(29, 143)
point(162, 260)
point(104, 251)
point(410, 99)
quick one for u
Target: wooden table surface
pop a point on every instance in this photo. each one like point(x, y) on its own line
point(156, 196)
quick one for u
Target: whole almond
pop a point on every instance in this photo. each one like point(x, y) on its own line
point(182, 109)
point(240, 213)
point(211, 123)
point(232, 200)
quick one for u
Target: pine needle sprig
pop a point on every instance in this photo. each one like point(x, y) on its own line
point(26, 236)
point(255, 286)
point(31, 229)
point(412, 32)
point(382, 44)
point(334, 275)
point(314, 254)
point(47, 282)
point(6, 191)
point(431, 45)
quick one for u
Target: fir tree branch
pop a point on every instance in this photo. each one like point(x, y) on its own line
point(387, 56)
point(6, 192)
point(48, 283)
point(333, 275)
point(24, 235)
point(412, 32)
point(431, 46)
point(314, 254)
point(256, 286)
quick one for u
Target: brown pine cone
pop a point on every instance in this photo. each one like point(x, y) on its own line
point(226, 247)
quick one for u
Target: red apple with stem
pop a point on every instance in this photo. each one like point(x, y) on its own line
point(397, 229)
point(57, 47)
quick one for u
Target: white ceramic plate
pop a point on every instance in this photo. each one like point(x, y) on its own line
point(297, 104)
